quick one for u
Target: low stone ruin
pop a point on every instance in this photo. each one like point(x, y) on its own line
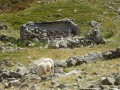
point(92, 38)
point(61, 34)
point(48, 30)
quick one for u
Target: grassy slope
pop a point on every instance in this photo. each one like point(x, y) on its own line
point(86, 11)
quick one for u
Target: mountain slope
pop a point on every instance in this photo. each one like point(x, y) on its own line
point(80, 12)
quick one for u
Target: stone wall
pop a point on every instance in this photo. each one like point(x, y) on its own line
point(49, 29)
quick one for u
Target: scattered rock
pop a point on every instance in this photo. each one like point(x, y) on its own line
point(24, 86)
point(9, 48)
point(62, 63)
point(108, 81)
point(22, 71)
point(80, 77)
point(95, 73)
point(74, 72)
point(104, 87)
point(5, 38)
point(59, 70)
point(53, 82)
point(7, 63)
point(15, 83)
point(34, 87)
point(61, 86)
point(77, 60)
point(117, 81)
point(6, 84)
point(5, 74)
point(15, 74)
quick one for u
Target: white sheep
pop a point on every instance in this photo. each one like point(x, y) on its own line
point(46, 65)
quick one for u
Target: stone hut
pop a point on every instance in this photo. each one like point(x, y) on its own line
point(49, 29)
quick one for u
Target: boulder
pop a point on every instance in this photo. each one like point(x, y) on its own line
point(117, 80)
point(11, 79)
point(89, 58)
point(93, 57)
point(22, 71)
point(72, 61)
point(24, 86)
point(67, 42)
point(74, 72)
point(94, 24)
point(108, 81)
point(53, 82)
point(61, 86)
point(15, 83)
point(5, 74)
point(111, 54)
point(62, 63)
point(15, 74)
point(94, 36)
point(105, 87)
point(59, 43)
point(59, 70)
point(6, 84)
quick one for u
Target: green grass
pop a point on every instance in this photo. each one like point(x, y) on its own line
point(56, 54)
point(86, 11)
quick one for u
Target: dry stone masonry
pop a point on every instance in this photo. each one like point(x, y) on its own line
point(48, 29)
point(93, 37)
point(61, 34)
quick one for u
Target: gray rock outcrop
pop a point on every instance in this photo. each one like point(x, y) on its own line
point(95, 36)
point(78, 60)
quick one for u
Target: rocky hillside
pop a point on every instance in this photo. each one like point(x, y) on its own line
point(81, 12)
point(91, 66)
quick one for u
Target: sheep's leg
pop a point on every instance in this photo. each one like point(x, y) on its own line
point(45, 75)
point(52, 72)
